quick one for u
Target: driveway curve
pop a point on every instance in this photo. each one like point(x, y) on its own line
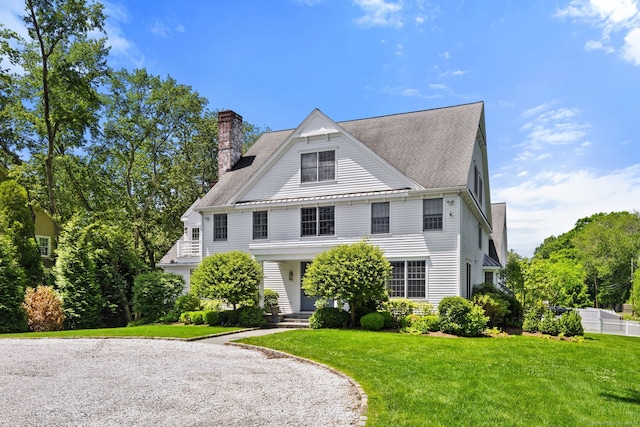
point(106, 382)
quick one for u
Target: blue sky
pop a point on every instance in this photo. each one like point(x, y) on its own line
point(560, 80)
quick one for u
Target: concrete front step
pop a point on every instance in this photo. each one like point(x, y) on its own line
point(291, 320)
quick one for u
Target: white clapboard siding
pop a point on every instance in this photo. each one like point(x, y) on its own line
point(275, 276)
point(470, 251)
point(356, 171)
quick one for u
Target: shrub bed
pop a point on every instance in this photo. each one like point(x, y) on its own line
point(329, 317)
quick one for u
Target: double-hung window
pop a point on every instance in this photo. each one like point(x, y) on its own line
point(260, 227)
point(432, 214)
point(408, 279)
point(220, 227)
point(195, 233)
point(44, 244)
point(318, 166)
point(318, 221)
point(379, 217)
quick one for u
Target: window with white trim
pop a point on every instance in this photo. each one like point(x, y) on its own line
point(318, 166)
point(260, 227)
point(195, 233)
point(408, 279)
point(379, 217)
point(432, 214)
point(220, 227)
point(44, 245)
point(318, 221)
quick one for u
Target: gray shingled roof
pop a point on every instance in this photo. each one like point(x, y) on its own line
point(432, 147)
point(498, 214)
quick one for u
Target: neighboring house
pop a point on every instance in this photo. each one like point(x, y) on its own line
point(44, 228)
point(414, 184)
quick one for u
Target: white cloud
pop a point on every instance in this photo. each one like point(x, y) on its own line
point(609, 16)
point(379, 13)
point(446, 55)
point(121, 47)
point(180, 28)
point(438, 86)
point(420, 20)
point(160, 29)
point(550, 203)
point(631, 48)
point(547, 127)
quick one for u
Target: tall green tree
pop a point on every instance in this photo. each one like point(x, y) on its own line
point(12, 316)
point(75, 278)
point(606, 248)
point(17, 223)
point(57, 102)
point(355, 274)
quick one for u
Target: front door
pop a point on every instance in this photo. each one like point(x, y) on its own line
point(307, 303)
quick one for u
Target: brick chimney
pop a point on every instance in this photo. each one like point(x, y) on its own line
point(229, 140)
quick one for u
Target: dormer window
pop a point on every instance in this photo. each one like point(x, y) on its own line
point(318, 166)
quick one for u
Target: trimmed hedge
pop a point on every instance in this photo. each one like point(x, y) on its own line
point(329, 317)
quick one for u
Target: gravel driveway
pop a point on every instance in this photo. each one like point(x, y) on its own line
point(109, 382)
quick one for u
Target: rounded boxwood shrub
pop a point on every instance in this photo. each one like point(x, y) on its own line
point(372, 321)
point(197, 317)
point(388, 319)
point(570, 324)
point(329, 317)
point(460, 317)
point(212, 318)
point(270, 299)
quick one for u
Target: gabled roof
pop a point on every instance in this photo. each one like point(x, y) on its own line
point(498, 214)
point(433, 148)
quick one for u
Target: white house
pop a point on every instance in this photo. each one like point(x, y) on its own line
point(415, 184)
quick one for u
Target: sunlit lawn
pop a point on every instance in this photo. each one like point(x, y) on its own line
point(144, 331)
point(511, 381)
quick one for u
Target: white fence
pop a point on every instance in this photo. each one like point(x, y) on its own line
point(607, 322)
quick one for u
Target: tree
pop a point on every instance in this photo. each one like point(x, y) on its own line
point(155, 294)
point(513, 276)
point(606, 247)
point(233, 277)
point(356, 274)
point(12, 316)
point(635, 294)
point(559, 280)
point(75, 279)
point(116, 266)
point(16, 222)
point(44, 309)
point(57, 101)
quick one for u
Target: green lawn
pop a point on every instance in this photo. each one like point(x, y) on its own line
point(511, 381)
point(146, 331)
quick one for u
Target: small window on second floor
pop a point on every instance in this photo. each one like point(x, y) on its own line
point(432, 214)
point(220, 227)
point(44, 244)
point(260, 227)
point(317, 221)
point(379, 217)
point(195, 233)
point(319, 166)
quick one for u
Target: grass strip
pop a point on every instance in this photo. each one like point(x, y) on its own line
point(511, 381)
point(143, 331)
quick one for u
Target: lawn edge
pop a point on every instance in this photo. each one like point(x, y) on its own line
point(271, 354)
point(134, 337)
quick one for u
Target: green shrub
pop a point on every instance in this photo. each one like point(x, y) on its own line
point(513, 315)
point(329, 317)
point(197, 317)
point(424, 309)
point(549, 324)
point(388, 320)
point(409, 320)
point(187, 302)
point(494, 306)
point(155, 294)
point(251, 317)
point(229, 317)
point(270, 299)
point(372, 321)
point(232, 277)
point(186, 318)
point(570, 324)
point(212, 318)
point(170, 317)
point(399, 309)
point(531, 322)
point(460, 317)
point(416, 324)
point(211, 305)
